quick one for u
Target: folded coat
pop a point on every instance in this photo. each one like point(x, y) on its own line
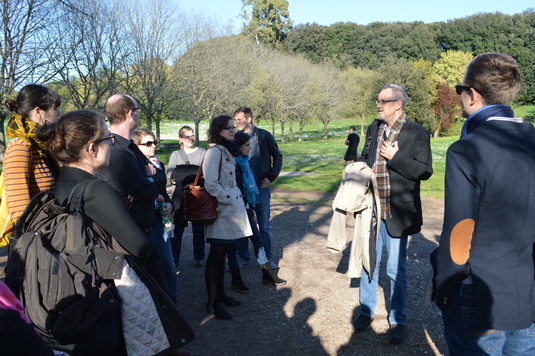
point(358, 194)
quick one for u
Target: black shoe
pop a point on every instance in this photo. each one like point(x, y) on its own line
point(269, 276)
point(237, 282)
point(362, 323)
point(218, 312)
point(396, 335)
point(227, 300)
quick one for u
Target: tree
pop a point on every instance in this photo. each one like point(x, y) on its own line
point(155, 41)
point(359, 89)
point(23, 47)
point(268, 21)
point(90, 56)
point(446, 107)
point(450, 67)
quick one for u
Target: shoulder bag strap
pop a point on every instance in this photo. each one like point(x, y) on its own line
point(199, 171)
point(184, 156)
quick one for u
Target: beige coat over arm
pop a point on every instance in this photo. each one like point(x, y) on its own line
point(232, 222)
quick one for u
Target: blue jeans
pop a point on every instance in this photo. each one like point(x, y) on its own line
point(396, 249)
point(166, 256)
point(263, 215)
point(464, 338)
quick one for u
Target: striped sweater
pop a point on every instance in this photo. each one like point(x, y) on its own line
point(25, 174)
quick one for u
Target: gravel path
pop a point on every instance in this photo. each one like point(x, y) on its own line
point(312, 314)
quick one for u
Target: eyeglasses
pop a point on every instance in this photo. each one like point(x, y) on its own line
point(459, 88)
point(136, 108)
point(230, 128)
point(110, 140)
point(189, 137)
point(382, 102)
point(149, 143)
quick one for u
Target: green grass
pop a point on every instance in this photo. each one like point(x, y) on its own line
point(323, 158)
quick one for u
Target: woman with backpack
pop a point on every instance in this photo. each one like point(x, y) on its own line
point(80, 140)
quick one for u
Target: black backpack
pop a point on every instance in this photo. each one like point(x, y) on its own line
point(62, 268)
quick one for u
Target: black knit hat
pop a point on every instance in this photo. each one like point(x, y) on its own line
point(241, 138)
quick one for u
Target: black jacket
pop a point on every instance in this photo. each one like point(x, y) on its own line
point(127, 174)
point(269, 163)
point(411, 164)
point(102, 205)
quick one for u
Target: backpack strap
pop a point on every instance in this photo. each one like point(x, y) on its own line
point(69, 243)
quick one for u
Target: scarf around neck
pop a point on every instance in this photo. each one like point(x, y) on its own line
point(249, 182)
point(25, 129)
point(380, 168)
point(230, 146)
point(484, 114)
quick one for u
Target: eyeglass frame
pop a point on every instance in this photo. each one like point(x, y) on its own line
point(110, 143)
point(383, 102)
point(135, 108)
point(459, 88)
point(149, 143)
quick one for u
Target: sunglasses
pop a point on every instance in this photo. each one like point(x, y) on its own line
point(459, 88)
point(110, 140)
point(149, 143)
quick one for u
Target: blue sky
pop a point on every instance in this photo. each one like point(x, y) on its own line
point(327, 12)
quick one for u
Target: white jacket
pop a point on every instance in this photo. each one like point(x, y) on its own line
point(358, 195)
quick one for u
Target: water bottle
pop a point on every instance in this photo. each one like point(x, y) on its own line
point(163, 207)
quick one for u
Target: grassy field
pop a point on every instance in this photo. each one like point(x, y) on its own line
point(323, 158)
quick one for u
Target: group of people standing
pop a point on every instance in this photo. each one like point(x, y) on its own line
point(127, 194)
point(483, 270)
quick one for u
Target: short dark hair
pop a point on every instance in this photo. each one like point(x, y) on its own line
point(352, 128)
point(32, 96)
point(247, 112)
point(67, 137)
point(217, 124)
point(495, 76)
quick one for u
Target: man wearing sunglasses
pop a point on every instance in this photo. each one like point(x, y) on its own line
point(399, 152)
point(126, 173)
point(484, 267)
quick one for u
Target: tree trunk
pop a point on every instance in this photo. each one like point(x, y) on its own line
point(273, 126)
point(301, 128)
point(283, 139)
point(325, 124)
point(291, 131)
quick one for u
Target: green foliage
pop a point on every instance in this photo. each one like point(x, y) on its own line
point(451, 66)
point(269, 20)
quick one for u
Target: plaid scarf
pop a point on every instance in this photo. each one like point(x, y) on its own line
point(380, 168)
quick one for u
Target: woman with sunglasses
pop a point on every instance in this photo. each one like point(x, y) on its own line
point(163, 206)
point(183, 165)
point(219, 169)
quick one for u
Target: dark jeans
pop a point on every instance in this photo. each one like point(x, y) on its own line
point(464, 338)
point(154, 264)
point(198, 241)
point(243, 243)
point(166, 256)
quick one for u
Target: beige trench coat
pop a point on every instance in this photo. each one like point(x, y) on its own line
point(232, 222)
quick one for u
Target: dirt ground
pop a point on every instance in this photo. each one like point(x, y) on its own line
point(312, 314)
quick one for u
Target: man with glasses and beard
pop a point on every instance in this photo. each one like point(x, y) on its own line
point(399, 152)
